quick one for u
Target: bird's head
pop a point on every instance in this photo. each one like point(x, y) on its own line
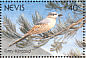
point(53, 15)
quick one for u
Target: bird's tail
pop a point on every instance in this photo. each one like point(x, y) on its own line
point(26, 35)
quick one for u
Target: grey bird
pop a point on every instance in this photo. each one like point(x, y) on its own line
point(42, 26)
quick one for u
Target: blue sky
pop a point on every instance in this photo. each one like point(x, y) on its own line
point(30, 9)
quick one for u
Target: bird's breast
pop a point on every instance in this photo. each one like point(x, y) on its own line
point(51, 24)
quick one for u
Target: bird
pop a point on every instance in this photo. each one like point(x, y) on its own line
point(41, 27)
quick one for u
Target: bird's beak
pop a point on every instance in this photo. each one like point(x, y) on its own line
point(60, 15)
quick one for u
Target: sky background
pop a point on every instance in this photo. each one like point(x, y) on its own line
point(30, 9)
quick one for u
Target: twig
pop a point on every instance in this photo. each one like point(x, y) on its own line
point(70, 26)
point(79, 21)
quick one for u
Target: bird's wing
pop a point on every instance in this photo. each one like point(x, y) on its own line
point(38, 27)
point(44, 21)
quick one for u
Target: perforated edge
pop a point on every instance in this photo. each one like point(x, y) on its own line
point(41, 1)
point(84, 31)
point(0, 28)
point(42, 56)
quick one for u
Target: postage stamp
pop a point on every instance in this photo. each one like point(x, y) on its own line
point(42, 28)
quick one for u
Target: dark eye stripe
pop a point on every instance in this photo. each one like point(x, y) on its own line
point(55, 14)
point(52, 14)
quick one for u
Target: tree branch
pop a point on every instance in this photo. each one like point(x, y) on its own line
point(70, 26)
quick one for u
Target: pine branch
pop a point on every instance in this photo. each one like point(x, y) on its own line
point(9, 25)
point(73, 53)
point(79, 43)
point(24, 24)
point(70, 26)
point(10, 29)
point(57, 46)
point(79, 21)
point(36, 18)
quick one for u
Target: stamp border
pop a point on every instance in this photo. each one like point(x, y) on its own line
point(41, 1)
point(84, 29)
point(0, 28)
point(84, 35)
